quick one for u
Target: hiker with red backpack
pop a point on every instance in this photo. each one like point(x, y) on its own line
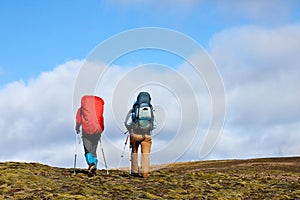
point(90, 118)
point(139, 123)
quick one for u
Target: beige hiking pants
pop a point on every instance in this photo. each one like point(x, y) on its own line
point(145, 141)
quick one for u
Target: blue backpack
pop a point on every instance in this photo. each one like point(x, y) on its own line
point(142, 113)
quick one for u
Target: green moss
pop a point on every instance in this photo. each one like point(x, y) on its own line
point(231, 179)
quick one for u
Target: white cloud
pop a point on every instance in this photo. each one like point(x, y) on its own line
point(259, 11)
point(37, 114)
point(261, 76)
point(260, 72)
point(266, 141)
point(170, 96)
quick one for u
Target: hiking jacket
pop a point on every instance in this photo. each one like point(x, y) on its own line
point(90, 115)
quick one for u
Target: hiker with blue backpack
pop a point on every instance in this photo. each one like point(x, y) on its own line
point(139, 123)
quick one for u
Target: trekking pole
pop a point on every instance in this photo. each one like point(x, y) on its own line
point(103, 156)
point(75, 159)
point(122, 155)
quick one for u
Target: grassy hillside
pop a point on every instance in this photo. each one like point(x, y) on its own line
point(270, 178)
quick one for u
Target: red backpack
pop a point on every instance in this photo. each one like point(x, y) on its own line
point(90, 114)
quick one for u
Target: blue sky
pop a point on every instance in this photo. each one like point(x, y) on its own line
point(254, 44)
point(37, 36)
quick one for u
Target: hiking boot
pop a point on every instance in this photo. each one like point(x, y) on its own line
point(135, 174)
point(92, 170)
point(145, 175)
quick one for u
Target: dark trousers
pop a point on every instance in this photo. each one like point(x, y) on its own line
point(90, 143)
